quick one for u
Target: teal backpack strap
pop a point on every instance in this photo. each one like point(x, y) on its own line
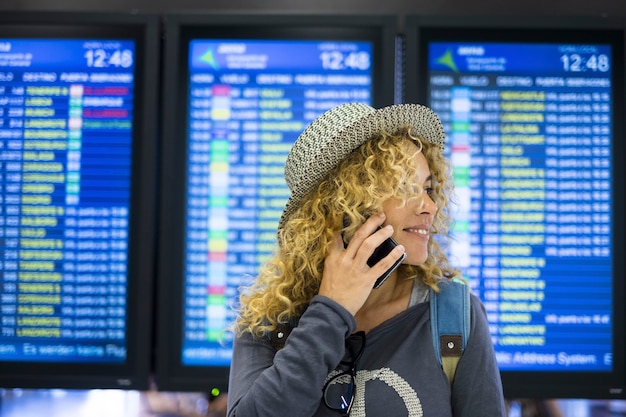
point(450, 323)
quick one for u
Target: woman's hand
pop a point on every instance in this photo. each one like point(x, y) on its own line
point(347, 279)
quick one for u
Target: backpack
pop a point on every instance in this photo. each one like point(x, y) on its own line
point(449, 325)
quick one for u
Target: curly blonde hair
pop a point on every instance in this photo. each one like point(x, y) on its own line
point(381, 168)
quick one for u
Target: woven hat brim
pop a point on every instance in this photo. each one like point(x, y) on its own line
point(423, 121)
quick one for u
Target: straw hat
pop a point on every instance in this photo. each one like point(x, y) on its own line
point(335, 134)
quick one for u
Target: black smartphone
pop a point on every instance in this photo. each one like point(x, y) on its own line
point(379, 253)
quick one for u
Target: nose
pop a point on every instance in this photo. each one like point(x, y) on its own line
point(428, 206)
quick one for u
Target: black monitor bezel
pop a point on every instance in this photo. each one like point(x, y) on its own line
point(171, 374)
point(419, 30)
point(144, 29)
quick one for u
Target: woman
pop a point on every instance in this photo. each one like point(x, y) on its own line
point(359, 176)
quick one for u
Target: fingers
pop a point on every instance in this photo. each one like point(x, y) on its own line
point(367, 230)
point(347, 277)
point(375, 247)
point(386, 252)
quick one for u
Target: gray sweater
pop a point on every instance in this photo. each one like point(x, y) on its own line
point(397, 374)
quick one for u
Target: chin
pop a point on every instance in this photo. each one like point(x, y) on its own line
point(415, 260)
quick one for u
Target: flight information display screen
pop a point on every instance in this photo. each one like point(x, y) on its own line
point(530, 130)
point(247, 103)
point(66, 110)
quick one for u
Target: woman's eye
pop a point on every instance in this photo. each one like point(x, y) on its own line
point(429, 191)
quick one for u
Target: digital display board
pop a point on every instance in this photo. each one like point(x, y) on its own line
point(244, 115)
point(66, 156)
point(246, 100)
point(543, 153)
point(70, 112)
point(533, 126)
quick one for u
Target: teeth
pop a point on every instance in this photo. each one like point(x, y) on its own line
point(419, 231)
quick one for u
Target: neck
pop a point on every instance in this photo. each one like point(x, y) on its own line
point(384, 303)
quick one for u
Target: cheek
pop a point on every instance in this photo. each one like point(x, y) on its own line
point(394, 210)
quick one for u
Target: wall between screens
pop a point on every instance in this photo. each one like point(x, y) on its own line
point(598, 8)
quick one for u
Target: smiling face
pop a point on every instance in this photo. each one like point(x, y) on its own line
point(412, 221)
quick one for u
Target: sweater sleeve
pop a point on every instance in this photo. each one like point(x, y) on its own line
point(289, 382)
point(477, 387)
